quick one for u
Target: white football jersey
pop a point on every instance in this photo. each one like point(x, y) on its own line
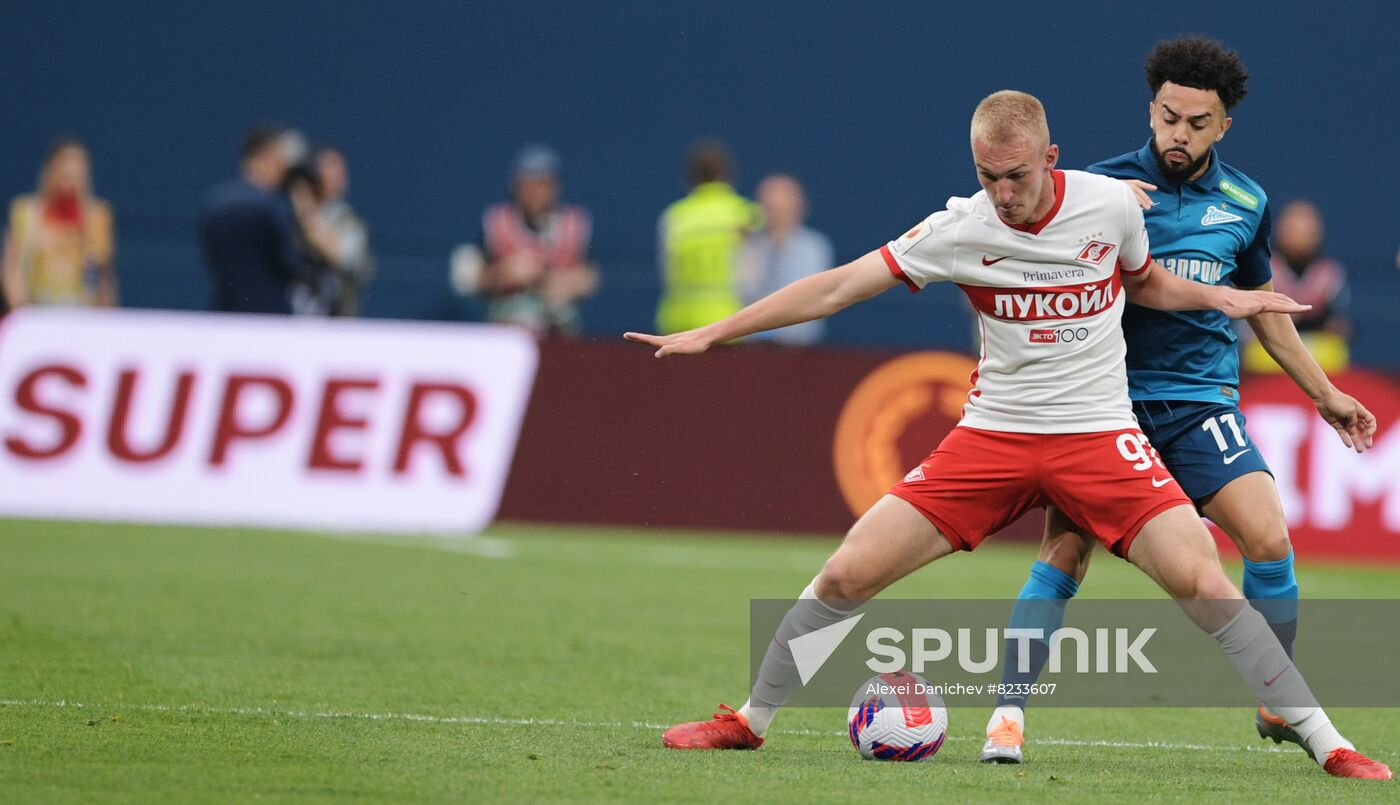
point(1048, 299)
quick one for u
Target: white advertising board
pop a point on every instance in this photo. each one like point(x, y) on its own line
point(330, 424)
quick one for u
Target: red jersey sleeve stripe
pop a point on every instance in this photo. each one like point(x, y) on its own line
point(1139, 269)
point(896, 270)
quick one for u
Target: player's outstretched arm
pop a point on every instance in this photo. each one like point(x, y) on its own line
point(814, 297)
point(1354, 424)
point(1159, 288)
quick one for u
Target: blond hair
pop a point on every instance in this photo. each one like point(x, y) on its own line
point(1009, 116)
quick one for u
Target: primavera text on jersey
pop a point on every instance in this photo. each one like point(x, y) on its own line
point(1214, 229)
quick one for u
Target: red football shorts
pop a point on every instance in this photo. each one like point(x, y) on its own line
point(978, 481)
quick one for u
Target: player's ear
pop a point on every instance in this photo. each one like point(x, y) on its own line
point(1224, 128)
point(1052, 155)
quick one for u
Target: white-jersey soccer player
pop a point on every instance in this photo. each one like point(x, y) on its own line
point(1047, 258)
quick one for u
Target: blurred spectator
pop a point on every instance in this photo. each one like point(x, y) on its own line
point(536, 251)
point(354, 260)
point(316, 287)
point(783, 252)
point(1302, 271)
point(247, 231)
point(699, 238)
point(59, 245)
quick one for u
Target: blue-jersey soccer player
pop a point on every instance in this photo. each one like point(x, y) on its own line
point(1208, 222)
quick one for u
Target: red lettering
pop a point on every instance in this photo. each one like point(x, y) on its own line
point(414, 431)
point(331, 420)
point(117, 441)
point(230, 428)
point(28, 400)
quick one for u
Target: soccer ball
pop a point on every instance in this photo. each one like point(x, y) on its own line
point(897, 717)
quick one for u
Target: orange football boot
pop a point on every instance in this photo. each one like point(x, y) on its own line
point(1003, 744)
point(1271, 726)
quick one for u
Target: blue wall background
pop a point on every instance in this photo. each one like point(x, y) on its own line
point(867, 103)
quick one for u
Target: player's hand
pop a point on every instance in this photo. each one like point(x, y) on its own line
point(1352, 421)
point(690, 342)
point(1239, 304)
point(1140, 190)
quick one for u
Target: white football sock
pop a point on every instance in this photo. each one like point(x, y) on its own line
point(758, 717)
point(1322, 738)
point(777, 674)
point(1007, 711)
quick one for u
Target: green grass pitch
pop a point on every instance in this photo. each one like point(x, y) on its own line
point(142, 663)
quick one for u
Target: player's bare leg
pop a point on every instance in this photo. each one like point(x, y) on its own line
point(1249, 511)
point(890, 541)
point(1064, 546)
point(1177, 552)
point(1059, 568)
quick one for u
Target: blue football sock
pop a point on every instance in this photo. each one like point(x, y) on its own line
point(1273, 590)
point(1040, 605)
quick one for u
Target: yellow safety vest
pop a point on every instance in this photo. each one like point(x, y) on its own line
point(700, 239)
point(1328, 349)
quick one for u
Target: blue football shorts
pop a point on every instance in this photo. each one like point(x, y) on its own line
point(1205, 445)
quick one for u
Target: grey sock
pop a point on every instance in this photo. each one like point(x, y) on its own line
point(777, 674)
point(1265, 667)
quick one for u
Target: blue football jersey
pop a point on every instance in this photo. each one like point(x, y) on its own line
point(1214, 229)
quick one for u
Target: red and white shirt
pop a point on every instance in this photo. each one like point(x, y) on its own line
point(562, 242)
point(1048, 298)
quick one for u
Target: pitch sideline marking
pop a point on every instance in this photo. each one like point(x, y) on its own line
point(554, 722)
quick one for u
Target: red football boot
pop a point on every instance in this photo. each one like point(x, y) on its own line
point(728, 730)
point(1348, 763)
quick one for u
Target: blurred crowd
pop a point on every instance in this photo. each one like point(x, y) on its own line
point(716, 249)
point(281, 237)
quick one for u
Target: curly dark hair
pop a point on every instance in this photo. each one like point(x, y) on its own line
point(1198, 62)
